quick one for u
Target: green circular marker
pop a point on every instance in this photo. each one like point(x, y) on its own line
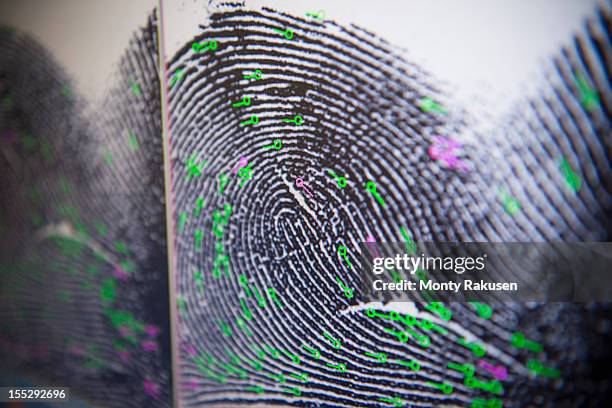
point(518, 340)
point(410, 320)
point(484, 311)
point(246, 101)
point(447, 388)
point(469, 381)
point(253, 120)
point(255, 75)
point(512, 206)
point(424, 341)
point(426, 324)
point(348, 292)
point(534, 365)
point(244, 172)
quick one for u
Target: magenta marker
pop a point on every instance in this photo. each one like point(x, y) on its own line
point(241, 163)
point(190, 349)
point(152, 330)
point(151, 388)
point(499, 372)
point(120, 273)
point(456, 163)
point(192, 385)
point(299, 182)
point(149, 346)
point(443, 149)
point(372, 247)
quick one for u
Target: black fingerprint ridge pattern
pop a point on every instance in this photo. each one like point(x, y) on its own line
point(80, 195)
point(359, 101)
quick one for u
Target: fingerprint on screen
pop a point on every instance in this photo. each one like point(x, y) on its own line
point(294, 139)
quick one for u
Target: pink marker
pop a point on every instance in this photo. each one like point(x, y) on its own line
point(456, 163)
point(299, 182)
point(192, 385)
point(120, 273)
point(498, 372)
point(152, 330)
point(241, 163)
point(149, 346)
point(372, 247)
point(151, 388)
point(443, 150)
point(190, 349)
